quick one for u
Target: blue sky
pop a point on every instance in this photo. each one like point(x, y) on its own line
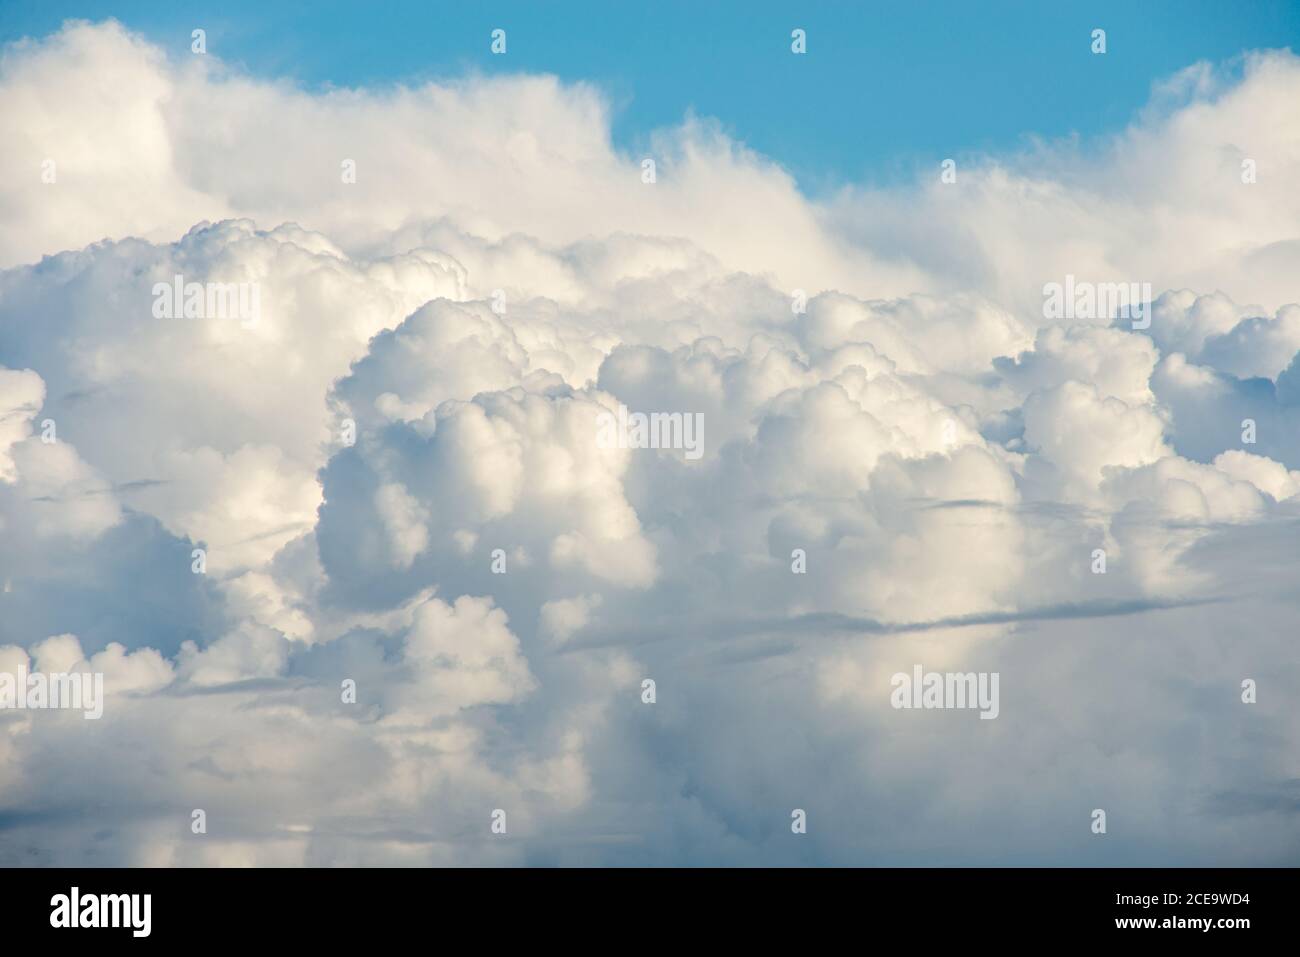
point(883, 89)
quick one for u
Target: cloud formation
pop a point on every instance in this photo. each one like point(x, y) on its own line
point(394, 479)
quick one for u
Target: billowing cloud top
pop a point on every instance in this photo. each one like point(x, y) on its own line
point(367, 547)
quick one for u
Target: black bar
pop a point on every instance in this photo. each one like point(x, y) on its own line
point(925, 906)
